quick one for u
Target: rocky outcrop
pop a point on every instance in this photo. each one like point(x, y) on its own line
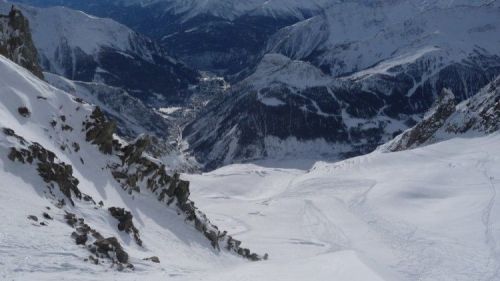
point(154, 259)
point(33, 218)
point(433, 121)
point(479, 115)
point(16, 42)
point(138, 172)
point(125, 223)
point(99, 131)
point(53, 171)
point(24, 111)
point(103, 248)
point(111, 248)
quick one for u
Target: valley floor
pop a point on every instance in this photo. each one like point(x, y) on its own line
point(427, 214)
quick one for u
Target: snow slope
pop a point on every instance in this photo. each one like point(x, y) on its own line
point(276, 69)
point(32, 251)
point(424, 214)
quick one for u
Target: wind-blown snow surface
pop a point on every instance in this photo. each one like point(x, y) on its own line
point(425, 214)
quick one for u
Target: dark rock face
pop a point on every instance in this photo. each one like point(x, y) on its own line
point(444, 108)
point(216, 53)
point(143, 78)
point(61, 174)
point(80, 239)
point(16, 42)
point(132, 153)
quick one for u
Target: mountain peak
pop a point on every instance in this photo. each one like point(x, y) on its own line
point(16, 41)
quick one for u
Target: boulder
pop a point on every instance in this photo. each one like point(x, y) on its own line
point(24, 111)
point(154, 259)
point(111, 247)
point(33, 218)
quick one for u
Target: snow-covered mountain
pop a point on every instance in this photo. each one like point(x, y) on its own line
point(357, 35)
point(231, 9)
point(198, 31)
point(181, 25)
point(477, 116)
point(226, 9)
point(86, 48)
point(79, 202)
point(16, 42)
point(290, 109)
point(336, 82)
point(355, 95)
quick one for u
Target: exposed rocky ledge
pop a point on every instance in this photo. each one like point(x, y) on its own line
point(99, 131)
point(99, 247)
point(49, 167)
point(435, 119)
point(138, 172)
point(125, 223)
point(479, 115)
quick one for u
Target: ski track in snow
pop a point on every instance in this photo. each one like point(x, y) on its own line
point(491, 241)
